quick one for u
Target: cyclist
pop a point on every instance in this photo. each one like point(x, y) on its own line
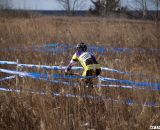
point(88, 62)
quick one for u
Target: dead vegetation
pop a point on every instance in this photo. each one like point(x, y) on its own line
point(46, 112)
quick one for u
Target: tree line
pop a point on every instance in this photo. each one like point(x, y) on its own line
point(102, 7)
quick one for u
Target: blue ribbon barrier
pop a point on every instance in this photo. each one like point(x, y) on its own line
point(156, 86)
point(54, 67)
point(73, 68)
point(37, 66)
point(8, 89)
point(65, 47)
point(101, 49)
point(40, 75)
point(45, 77)
point(59, 48)
point(141, 84)
point(34, 49)
point(8, 63)
point(127, 87)
point(7, 78)
point(64, 82)
point(53, 45)
point(119, 86)
point(54, 48)
point(129, 102)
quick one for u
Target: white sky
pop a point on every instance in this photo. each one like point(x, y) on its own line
point(45, 4)
point(54, 5)
point(134, 5)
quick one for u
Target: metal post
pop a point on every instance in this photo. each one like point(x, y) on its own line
point(17, 75)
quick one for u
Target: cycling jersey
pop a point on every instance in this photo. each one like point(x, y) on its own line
point(87, 60)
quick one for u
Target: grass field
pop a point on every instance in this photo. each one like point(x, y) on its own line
point(46, 112)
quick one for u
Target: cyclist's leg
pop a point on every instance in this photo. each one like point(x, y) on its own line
point(82, 80)
point(98, 72)
point(84, 73)
point(89, 82)
point(86, 82)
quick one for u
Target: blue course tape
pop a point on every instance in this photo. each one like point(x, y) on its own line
point(35, 49)
point(118, 86)
point(156, 86)
point(8, 63)
point(7, 78)
point(73, 68)
point(53, 45)
point(39, 66)
point(81, 68)
point(99, 85)
point(129, 102)
point(65, 47)
point(101, 49)
point(53, 48)
point(40, 75)
point(58, 48)
point(142, 84)
point(65, 82)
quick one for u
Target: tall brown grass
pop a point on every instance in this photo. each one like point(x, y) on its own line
point(46, 112)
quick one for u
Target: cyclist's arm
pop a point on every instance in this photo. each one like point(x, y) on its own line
point(72, 62)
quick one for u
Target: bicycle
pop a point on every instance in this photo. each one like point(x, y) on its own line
point(84, 84)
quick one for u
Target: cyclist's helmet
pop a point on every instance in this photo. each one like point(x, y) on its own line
point(81, 47)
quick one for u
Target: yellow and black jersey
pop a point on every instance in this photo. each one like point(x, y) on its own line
point(87, 60)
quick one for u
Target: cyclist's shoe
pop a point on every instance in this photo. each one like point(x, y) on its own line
point(89, 85)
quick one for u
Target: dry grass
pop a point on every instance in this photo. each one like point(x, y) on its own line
point(32, 111)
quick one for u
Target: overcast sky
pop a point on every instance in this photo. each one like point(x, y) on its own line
point(45, 4)
point(54, 5)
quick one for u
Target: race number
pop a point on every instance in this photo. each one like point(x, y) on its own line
point(85, 56)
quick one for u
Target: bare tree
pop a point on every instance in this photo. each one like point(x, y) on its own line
point(102, 7)
point(142, 4)
point(5, 4)
point(157, 7)
point(71, 5)
point(144, 7)
point(2, 4)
